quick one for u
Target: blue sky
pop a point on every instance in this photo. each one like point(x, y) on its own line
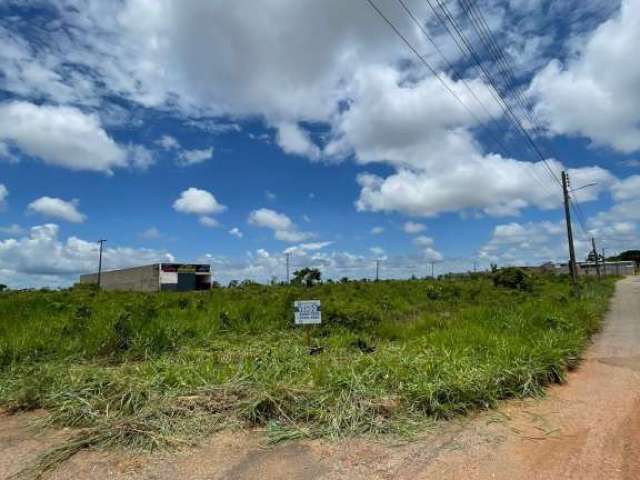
point(200, 131)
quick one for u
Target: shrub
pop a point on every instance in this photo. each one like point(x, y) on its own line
point(512, 278)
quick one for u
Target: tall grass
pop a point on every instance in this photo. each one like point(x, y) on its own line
point(151, 370)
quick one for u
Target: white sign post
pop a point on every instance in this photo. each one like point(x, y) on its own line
point(307, 312)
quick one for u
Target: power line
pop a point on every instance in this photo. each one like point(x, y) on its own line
point(508, 110)
point(432, 69)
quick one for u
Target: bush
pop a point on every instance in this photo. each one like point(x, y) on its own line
point(512, 278)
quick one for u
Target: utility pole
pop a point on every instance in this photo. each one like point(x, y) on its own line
point(595, 254)
point(604, 264)
point(567, 216)
point(377, 270)
point(432, 269)
point(287, 257)
point(101, 241)
point(475, 266)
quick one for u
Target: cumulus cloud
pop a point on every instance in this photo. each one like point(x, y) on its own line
point(57, 208)
point(595, 93)
point(413, 227)
point(377, 230)
point(168, 142)
point(61, 136)
point(208, 222)
point(198, 202)
point(235, 231)
point(42, 259)
point(293, 140)
point(308, 247)
point(283, 228)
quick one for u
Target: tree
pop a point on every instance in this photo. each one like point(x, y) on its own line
point(628, 255)
point(306, 277)
point(3, 287)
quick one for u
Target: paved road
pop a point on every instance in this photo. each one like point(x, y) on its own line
point(587, 429)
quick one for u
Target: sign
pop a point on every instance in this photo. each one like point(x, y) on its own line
point(307, 312)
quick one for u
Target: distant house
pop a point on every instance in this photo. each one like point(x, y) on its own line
point(155, 277)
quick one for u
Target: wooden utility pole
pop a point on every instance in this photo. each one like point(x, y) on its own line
point(101, 241)
point(567, 216)
point(595, 255)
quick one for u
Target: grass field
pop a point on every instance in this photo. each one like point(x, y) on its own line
point(151, 370)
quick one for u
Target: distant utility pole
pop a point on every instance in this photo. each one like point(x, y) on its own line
point(101, 241)
point(567, 215)
point(287, 257)
point(475, 266)
point(604, 263)
point(377, 270)
point(433, 263)
point(595, 255)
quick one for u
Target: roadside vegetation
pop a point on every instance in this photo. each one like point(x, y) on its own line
point(157, 370)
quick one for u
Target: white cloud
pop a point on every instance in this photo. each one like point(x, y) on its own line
point(308, 247)
point(140, 157)
point(423, 241)
point(57, 208)
point(4, 193)
point(151, 233)
point(208, 222)
point(235, 231)
point(292, 139)
point(595, 93)
point(62, 136)
point(13, 229)
point(168, 142)
point(377, 251)
point(198, 202)
point(432, 255)
point(41, 259)
point(413, 227)
point(377, 230)
point(530, 243)
point(284, 229)
point(193, 157)
point(270, 195)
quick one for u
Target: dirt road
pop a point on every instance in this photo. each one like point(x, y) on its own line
point(588, 428)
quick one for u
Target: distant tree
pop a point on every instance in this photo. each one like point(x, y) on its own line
point(233, 284)
point(3, 287)
point(344, 280)
point(215, 284)
point(307, 277)
point(628, 255)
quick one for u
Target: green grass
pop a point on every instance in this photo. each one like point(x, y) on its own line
point(152, 370)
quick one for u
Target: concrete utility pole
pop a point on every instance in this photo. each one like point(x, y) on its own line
point(604, 263)
point(595, 254)
point(567, 215)
point(432, 269)
point(101, 241)
point(377, 270)
point(287, 257)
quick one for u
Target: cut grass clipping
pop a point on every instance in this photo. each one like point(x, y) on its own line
point(159, 370)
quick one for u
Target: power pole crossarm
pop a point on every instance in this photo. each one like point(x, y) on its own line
point(567, 215)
